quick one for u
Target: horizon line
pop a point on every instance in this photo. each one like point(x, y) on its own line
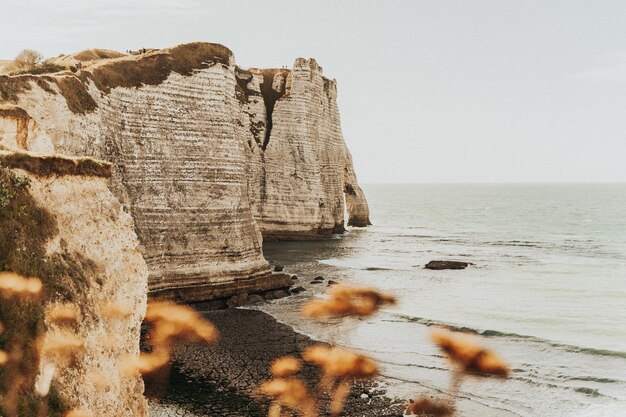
point(500, 183)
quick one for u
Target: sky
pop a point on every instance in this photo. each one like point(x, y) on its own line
point(429, 91)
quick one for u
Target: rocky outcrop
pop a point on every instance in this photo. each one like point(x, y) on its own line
point(439, 265)
point(208, 157)
point(300, 168)
point(357, 208)
point(60, 222)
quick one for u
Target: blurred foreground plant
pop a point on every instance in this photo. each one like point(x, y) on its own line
point(287, 390)
point(33, 357)
point(170, 324)
point(60, 347)
point(468, 357)
point(339, 367)
point(20, 357)
point(345, 301)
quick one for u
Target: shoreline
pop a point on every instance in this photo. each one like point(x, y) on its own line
point(221, 380)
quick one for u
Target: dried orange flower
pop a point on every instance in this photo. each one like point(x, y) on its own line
point(341, 363)
point(62, 347)
point(99, 380)
point(44, 379)
point(63, 314)
point(77, 413)
point(467, 353)
point(146, 363)
point(13, 285)
point(171, 323)
point(290, 392)
point(174, 323)
point(348, 301)
point(427, 407)
point(115, 310)
point(285, 366)
point(4, 358)
point(339, 397)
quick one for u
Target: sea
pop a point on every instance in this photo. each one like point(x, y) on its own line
point(546, 290)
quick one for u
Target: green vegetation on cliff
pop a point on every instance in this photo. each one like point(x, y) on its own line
point(25, 230)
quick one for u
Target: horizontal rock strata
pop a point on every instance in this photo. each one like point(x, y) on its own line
point(209, 158)
point(300, 167)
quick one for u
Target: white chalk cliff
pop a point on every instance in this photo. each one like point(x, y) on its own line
point(209, 158)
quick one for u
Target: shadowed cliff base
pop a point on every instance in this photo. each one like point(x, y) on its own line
point(270, 235)
point(211, 295)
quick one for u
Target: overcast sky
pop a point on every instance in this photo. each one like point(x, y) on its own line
point(429, 91)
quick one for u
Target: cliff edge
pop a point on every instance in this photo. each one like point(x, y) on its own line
point(209, 158)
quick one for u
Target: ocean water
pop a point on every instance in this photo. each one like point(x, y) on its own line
point(547, 291)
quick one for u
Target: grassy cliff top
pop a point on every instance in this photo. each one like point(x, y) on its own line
point(129, 71)
point(153, 67)
point(95, 54)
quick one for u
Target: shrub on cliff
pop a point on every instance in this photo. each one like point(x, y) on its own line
point(26, 60)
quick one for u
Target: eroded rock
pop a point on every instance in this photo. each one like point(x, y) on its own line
point(438, 265)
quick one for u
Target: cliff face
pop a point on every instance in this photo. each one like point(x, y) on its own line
point(208, 157)
point(299, 164)
point(61, 223)
point(183, 170)
point(19, 131)
point(356, 204)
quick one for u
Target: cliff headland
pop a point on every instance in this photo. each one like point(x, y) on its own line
point(208, 158)
point(204, 160)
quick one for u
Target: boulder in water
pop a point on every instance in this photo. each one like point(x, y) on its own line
point(437, 265)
